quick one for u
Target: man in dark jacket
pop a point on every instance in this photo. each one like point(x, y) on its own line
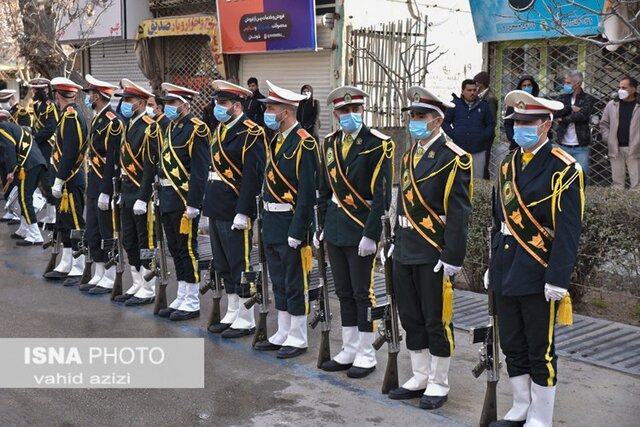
point(574, 132)
point(471, 125)
point(253, 107)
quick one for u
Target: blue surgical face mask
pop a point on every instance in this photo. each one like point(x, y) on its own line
point(271, 121)
point(126, 108)
point(221, 113)
point(526, 136)
point(350, 122)
point(567, 88)
point(171, 111)
point(418, 129)
point(528, 89)
point(88, 103)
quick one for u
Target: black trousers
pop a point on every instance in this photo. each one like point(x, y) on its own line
point(99, 227)
point(290, 283)
point(231, 251)
point(71, 217)
point(46, 179)
point(26, 188)
point(353, 278)
point(419, 296)
point(136, 235)
point(183, 247)
point(527, 337)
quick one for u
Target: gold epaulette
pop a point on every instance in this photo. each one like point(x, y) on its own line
point(197, 121)
point(379, 134)
point(70, 112)
point(453, 147)
point(302, 133)
point(250, 124)
point(563, 155)
point(148, 120)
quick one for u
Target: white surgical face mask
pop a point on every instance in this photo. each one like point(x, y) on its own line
point(150, 112)
point(623, 94)
point(5, 105)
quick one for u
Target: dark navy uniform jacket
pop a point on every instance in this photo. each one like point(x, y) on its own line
point(21, 116)
point(245, 144)
point(70, 137)
point(514, 272)
point(10, 150)
point(367, 166)
point(189, 138)
point(163, 121)
point(105, 136)
point(45, 121)
point(410, 247)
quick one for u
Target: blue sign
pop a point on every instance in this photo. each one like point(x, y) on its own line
point(496, 20)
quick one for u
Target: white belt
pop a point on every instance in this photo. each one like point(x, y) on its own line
point(404, 222)
point(278, 207)
point(335, 200)
point(213, 176)
point(165, 182)
point(504, 229)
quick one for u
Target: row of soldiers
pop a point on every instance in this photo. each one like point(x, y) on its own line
point(348, 177)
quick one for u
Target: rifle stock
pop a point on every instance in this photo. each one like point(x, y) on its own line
point(54, 244)
point(212, 281)
point(117, 284)
point(322, 310)
point(261, 283)
point(160, 270)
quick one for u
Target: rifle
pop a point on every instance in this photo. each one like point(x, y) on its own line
point(489, 357)
point(258, 280)
point(159, 268)
point(83, 249)
point(321, 308)
point(212, 281)
point(389, 329)
point(54, 243)
point(115, 247)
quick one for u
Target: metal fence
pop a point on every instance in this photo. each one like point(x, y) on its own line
point(548, 61)
point(161, 8)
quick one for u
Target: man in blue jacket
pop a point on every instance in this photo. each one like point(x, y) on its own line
point(471, 125)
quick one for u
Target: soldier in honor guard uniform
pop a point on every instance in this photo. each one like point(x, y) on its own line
point(69, 177)
point(237, 168)
point(138, 159)
point(289, 194)
point(45, 121)
point(434, 203)
point(105, 135)
point(537, 221)
point(355, 192)
point(25, 164)
point(182, 168)
point(19, 114)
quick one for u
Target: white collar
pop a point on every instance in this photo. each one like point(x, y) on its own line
point(534, 152)
point(353, 134)
point(233, 122)
point(286, 133)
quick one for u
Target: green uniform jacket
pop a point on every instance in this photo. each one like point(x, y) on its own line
point(368, 167)
point(301, 151)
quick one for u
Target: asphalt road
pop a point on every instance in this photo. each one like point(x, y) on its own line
point(245, 387)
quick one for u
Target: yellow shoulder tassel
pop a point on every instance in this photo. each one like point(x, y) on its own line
point(185, 224)
point(447, 300)
point(64, 201)
point(565, 311)
point(307, 260)
point(22, 175)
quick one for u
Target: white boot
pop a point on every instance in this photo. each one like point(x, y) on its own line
point(420, 363)
point(297, 332)
point(233, 306)
point(182, 291)
point(33, 234)
point(246, 318)
point(147, 288)
point(350, 342)
point(77, 266)
point(521, 390)
point(64, 266)
point(366, 354)
point(97, 275)
point(136, 281)
point(108, 278)
point(438, 383)
point(284, 325)
point(50, 215)
point(191, 300)
point(22, 230)
point(541, 409)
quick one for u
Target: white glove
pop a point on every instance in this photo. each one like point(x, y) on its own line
point(486, 279)
point(367, 247)
point(553, 293)
point(317, 240)
point(293, 243)
point(192, 212)
point(103, 202)
point(384, 257)
point(240, 222)
point(449, 270)
point(56, 189)
point(139, 207)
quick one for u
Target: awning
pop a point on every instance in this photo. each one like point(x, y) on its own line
point(206, 25)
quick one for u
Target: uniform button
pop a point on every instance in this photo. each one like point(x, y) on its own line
point(506, 247)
